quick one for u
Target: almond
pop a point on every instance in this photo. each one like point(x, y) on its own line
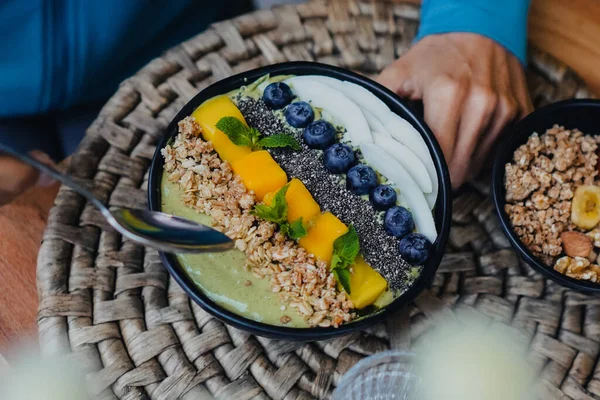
point(576, 244)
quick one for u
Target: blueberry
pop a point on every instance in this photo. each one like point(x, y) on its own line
point(361, 179)
point(398, 222)
point(277, 95)
point(299, 114)
point(319, 134)
point(414, 248)
point(383, 197)
point(339, 158)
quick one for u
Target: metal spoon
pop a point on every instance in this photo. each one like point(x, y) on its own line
point(155, 229)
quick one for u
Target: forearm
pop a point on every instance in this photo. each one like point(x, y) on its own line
point(503, 21)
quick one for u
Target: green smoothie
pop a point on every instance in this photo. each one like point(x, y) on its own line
point(222, 276)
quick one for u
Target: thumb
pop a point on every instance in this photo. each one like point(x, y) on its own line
point(399, 79)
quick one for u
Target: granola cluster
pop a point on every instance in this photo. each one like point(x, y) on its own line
point(540, 183)
point(211, 188)
point(578, 268)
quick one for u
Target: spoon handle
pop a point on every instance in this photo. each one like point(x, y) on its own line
point(56, 174)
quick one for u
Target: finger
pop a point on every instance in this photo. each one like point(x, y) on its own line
point(519, 86)
point(505, 112)
point(480, 76)
point(397, 77)
point(478, 112)
point(443, 104)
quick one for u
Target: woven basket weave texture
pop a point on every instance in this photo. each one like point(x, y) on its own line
point(112, 306)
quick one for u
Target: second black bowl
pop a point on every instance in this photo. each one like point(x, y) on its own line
point(582, 114)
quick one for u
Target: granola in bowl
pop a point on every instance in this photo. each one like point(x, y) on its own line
point(553, 202)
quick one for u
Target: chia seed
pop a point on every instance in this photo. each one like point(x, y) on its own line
point(378, 248)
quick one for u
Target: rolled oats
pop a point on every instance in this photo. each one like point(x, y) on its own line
point(211, 188)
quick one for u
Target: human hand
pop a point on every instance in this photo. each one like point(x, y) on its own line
point(471, 89)
point(16, 177)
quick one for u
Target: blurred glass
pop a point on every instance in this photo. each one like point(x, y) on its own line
point(30, 376)
point(389, 375)
point(468, 356)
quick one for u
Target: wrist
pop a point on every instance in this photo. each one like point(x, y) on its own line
point(504, 22)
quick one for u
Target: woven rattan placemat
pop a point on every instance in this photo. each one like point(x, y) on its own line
point(112, 304)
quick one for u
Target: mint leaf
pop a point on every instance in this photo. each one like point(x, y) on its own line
point(265, 212)
point(297, 230)
point(277, 211)
point(279, 140)
point(246, 136)
point(342, 275)
point(235, 130)
point(345, 251)
point(347, 247)
point(285, 228)
point(335, 261)
point(280, 204)
point(254, 135)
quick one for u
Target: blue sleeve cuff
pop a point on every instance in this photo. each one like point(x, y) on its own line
point(503, 21)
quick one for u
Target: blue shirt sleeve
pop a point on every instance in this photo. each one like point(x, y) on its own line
point(503, 21)
point(55, 54)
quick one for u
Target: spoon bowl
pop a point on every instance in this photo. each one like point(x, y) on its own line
point(166, 232)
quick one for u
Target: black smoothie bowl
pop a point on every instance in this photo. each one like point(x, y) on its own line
point(442, 211)
point(583, 114)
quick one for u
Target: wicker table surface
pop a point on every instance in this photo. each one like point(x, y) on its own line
point(112, 305)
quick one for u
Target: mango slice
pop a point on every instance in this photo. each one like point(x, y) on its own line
point(208, 114)
point(260, 173)
point(320, 237)
point(366, 285)
point(268, 199)
point(300, 202)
